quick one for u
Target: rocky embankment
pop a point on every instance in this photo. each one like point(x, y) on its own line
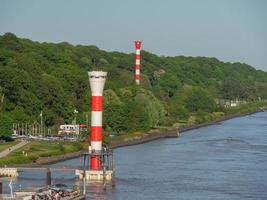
point(54, 159)
point(150, 136)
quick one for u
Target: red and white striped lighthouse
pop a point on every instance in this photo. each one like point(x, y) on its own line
point(97, 82)
point(137, 61)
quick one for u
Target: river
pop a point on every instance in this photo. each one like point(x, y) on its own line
point(223, 161)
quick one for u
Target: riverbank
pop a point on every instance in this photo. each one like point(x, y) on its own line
point(150, 136)
point(41, 152)
point(175, 132)
point(12, 148)
point(153, 134)
point(216, 121)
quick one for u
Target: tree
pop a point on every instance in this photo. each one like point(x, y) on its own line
point(199, 99)
point(169, 83)
point(137, 117)
point(5, 125)
point(114, 115)
point(2, 95)
point(232, 89)
point(145, 111)
point(54, 98)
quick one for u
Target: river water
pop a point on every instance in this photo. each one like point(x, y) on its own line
point(223, 161)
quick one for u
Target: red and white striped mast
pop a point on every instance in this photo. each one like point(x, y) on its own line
point(137, 61)
point(97, 82)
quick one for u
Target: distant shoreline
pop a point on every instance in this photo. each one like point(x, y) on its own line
point(152, 135)
point(172, 132)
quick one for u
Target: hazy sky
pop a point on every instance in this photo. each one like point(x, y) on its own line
point(231, 30)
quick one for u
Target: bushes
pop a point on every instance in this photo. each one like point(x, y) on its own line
point(202, 116)
point(199, 99)
point(246, 108)
point(134, 109)
point(5, 125)
point(180, 113)
point(144, 111)
point(6, 138)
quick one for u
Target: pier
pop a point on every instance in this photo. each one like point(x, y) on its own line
point(14, 172)
point(105, 173)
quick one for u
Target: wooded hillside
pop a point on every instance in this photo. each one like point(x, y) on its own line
point(53, 78)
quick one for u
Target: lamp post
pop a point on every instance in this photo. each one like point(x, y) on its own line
point(75, 114)
point(87, 121)
point(41, 129)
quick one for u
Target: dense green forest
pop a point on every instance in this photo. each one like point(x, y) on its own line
point(52, 78)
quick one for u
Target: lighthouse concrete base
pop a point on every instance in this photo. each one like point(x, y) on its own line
point(95, 175)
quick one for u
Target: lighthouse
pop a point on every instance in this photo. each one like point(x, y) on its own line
point(101, 164)
point(137, 61)
point(97, 81)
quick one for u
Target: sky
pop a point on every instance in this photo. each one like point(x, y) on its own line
point(230, 30)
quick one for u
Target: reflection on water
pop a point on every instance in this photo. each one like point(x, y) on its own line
point(224, 161)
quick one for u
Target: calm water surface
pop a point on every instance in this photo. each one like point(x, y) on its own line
point(225, 161)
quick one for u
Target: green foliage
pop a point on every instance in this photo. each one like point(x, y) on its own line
point(180, 113)
point(151, 106)
point(114, 114)
point(61, 148)
point(199, 99)
point(246, 108)
point(5, 125)
point(2, 96)
point(169, 83)
point(53, 78)
point(135, 109)
point(37, 149)
point(138, 118)
point(232, 89)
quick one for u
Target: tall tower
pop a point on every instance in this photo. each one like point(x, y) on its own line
point(137, 61)
point(97, 82)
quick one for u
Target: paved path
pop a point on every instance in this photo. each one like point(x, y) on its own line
point(13, 148)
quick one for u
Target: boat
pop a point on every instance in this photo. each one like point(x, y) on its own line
point(58, 191)
point(50, 193)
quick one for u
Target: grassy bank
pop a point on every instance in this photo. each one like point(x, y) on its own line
point(35, 149)
point(247, 108)
point(204, 117)
point(6, 145)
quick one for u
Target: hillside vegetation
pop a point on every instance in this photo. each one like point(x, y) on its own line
point(53, 78)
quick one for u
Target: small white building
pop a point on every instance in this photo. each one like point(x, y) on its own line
point(230, 103)
point(234, 103)
point(68, 129)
